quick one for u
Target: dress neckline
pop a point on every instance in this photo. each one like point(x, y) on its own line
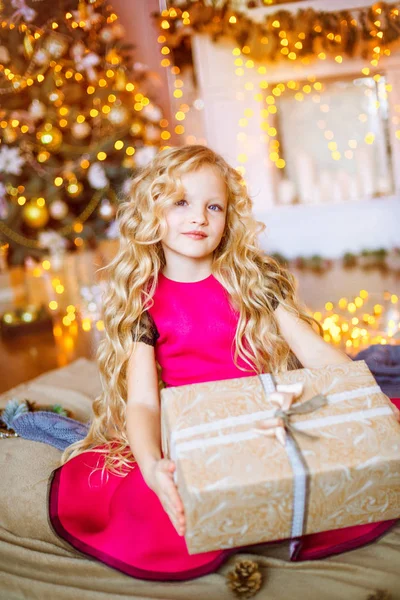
point(185, 282)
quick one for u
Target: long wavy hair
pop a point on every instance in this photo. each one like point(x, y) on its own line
point(251, 277)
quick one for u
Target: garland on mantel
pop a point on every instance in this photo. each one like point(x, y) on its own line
point(369, 33)
point(236, 4)
point(383, 260)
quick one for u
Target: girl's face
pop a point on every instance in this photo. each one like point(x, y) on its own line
point(203, 209)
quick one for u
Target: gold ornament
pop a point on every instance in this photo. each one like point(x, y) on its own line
point(118, 115)
point(43, 155)
point(74, 189)
point(82, 9)
point(3, 256)
point(137, 127)
point(113, 57)
point(120, 80)
point(29, 41)
point(128, 162)
point(50, 136)
point(35, 216)
point(244, 579)
point(9, 134)
point(58, 79)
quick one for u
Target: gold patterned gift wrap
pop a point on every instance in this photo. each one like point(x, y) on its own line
point(265, 458)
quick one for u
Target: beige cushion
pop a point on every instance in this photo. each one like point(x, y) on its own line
point(36, 564)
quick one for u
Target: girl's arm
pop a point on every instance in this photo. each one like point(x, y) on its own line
point(143, 407)
point(143, 424)
point(308, 346)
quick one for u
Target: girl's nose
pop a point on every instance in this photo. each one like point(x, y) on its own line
point(199, 217)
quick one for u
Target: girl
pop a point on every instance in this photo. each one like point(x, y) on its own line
point(190, 293)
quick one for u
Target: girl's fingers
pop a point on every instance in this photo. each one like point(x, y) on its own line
point(178, 515)
point(176, 519)
point(178, 526)
point(176, 501)
point(170, 511)
point(170, 498)
point(169, 488)
point(172, 508)
point(173, 493)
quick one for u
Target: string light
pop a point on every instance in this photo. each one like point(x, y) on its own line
point(353, 328)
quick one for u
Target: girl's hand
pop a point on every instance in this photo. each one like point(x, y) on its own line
point(159, 478)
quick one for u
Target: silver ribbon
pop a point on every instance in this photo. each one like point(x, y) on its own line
point(280, 426)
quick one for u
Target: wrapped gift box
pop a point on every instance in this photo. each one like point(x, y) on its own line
point(237, 484)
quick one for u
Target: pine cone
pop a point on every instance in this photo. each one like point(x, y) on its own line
point(244, 579)
point(380, 595)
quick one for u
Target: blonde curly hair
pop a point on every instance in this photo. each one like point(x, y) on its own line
point(252, 279)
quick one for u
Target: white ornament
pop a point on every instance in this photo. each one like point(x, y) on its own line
point(58, 209)
point(23, 11)
point(85, 61)
point(80, 130)
point(145, 155)
point(41, 57)
point(56, 245)
point(97, 177)
point(118, 115)
point(112, 233)
point(126, 186)
point(140, 67)
point(152, 133)
point(56, 46)
point(3, 202)
point(106, 210)
point(10, 160)
point(152, 113)
point(37, 109)
point(106, 35)
point(51, 240)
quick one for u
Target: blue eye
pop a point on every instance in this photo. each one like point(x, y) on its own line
point(179, 203)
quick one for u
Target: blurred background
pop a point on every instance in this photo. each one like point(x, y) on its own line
point(302, 97)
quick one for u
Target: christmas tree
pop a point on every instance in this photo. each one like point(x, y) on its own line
point(76, 120)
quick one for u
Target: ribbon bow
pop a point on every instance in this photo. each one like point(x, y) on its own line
point(283, 398)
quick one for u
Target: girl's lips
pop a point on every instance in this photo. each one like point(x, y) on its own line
point(196, 236)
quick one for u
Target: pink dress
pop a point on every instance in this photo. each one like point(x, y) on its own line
point(120, 520)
